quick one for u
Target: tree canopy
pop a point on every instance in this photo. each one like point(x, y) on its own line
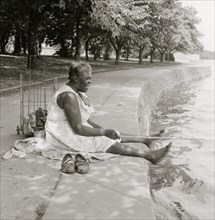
point(152, 26)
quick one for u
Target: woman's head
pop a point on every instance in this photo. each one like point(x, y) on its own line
point(76, 68)
point(80, 74)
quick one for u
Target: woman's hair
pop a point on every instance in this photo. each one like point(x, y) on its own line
point(77, 67)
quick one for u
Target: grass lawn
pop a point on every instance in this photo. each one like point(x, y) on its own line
point(51, 66)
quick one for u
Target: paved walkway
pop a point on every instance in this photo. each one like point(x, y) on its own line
point(117, 188)
point(113, 189)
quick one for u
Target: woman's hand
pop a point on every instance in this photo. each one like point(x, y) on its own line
point(112, 134)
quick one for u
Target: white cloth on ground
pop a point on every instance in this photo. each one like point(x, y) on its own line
point(36, 145)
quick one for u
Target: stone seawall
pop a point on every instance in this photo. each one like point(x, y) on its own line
point(154, 87)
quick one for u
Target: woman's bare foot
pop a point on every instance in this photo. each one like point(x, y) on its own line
point(148, 141)
point(157, 155)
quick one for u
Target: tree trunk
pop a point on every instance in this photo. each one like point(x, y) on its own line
point(151, 57)
point(117, 45)
point(24, 42)
point(95, 56)
point(87, 49)
point(63, 52)
point(167, 56)
point(77, 39)
point(32, 50)
point(86, 53)
point(140, 55)
point(29, 49)
point(151, 54)
point(161, 57)
point(72, 48)
point(127, 53)
point(118, 51)
point(3, 48)
point(4, 41)
point(107, 52)
point(17, 43)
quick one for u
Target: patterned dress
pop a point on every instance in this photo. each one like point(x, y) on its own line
point(59, 133)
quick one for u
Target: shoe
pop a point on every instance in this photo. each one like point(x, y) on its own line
point(68, 164)
point(82, 165)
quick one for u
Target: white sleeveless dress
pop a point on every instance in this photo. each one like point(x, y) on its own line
point(60, 135)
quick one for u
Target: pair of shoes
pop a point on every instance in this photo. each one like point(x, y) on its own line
point(80, 164)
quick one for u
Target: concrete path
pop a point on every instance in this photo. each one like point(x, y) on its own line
point(27, 184)
point(117, 188)
point(34, 187)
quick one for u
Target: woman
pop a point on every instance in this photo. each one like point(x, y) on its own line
point(69, 125)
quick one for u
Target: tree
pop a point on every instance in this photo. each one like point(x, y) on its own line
point(100, 25)
point(171, 27)
point(142, 42)
point(96, 46)
point(117, 18)
point(167, 19)
point(9, 22)
point(68, 25)
point(25, 20)
point(60, 28)
point(107, 48)
point(189, 41)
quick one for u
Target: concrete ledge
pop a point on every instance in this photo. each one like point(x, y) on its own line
point(118, 188)
point(154, 87)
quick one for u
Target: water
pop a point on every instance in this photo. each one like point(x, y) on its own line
point(182, 186)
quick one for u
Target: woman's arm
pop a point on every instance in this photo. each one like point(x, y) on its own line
point(69, 103)
point(92, 123)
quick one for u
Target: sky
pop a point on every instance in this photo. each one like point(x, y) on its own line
point(205, 11)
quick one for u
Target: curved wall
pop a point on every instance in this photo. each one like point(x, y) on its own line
point(153, 87)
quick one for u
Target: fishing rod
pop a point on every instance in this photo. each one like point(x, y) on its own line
point(176, 138)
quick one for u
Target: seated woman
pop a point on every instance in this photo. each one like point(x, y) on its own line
point(69, 126)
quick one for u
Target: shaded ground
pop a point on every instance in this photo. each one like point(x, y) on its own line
point(51, 66)
point(27, 185)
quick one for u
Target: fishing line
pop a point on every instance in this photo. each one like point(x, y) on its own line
point(176, 138)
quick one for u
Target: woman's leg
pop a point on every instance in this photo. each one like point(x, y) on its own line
point(140, 139)
point(154, 156)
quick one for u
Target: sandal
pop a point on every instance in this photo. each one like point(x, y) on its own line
point(68, 164)
point(81, 164)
